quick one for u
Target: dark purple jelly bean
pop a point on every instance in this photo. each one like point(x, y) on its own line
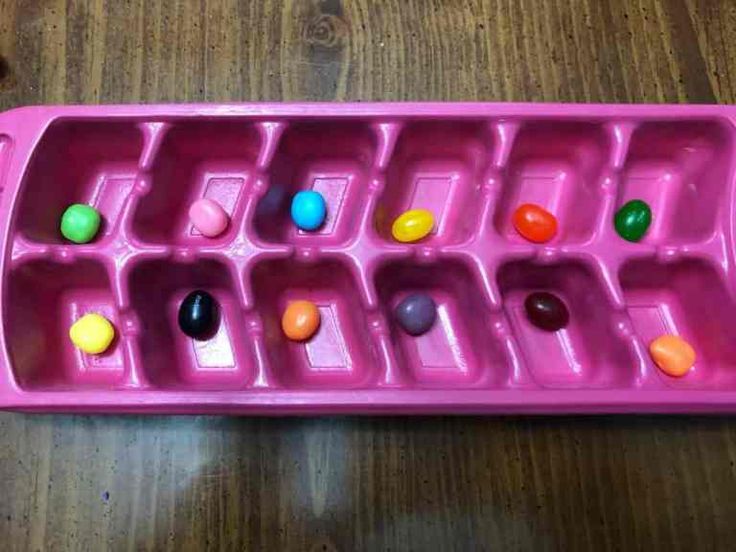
point(416, 313)
point(272, 202)
point(198, 315)
point(546, 311)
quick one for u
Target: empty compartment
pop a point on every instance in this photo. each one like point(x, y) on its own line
point(202, 159)
point(681, 169)
point(687, 299)
point(341, 353)
point(170, 357)
point(94, 163)
point(557, 166)
point(43, 299)
point(437, 166)
point(586, 353)
point(332, 158)
point(460, 349)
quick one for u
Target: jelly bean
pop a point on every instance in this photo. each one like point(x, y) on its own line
point(413, 225)
point(208, 217)
point(301, 320)
point(672, 354)
point(80, 223)
point(534, 223)
point(308, 209)
point(632, 220)
point(93, 333)
point(416, 313)
point(272, 202)
point(546, 311)
point(198, 315)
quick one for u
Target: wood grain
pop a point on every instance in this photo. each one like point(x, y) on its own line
point(192, 483)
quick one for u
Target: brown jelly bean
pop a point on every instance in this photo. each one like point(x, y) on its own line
point(546, 311)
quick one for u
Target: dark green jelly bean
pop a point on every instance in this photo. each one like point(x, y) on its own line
point(632, 220)
point(198, 315)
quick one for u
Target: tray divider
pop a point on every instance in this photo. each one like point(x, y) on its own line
point(609, 260)
point(128, 252)
point(270, 133)
point(489, 250)
point(364, 266)
point(153, 136)
point(247, 250)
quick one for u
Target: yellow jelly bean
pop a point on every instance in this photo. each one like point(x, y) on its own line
point(412, 225)
point(92, 333)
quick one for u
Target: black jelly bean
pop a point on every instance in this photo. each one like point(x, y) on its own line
point(198, 315)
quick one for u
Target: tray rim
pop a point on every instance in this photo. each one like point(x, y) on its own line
point(25, 126)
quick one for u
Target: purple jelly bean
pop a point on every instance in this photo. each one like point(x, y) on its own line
point(416, 313)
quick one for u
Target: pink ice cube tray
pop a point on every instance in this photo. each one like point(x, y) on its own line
point(470, 164)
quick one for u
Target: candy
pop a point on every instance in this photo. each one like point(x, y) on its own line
point(546, 311)
point(198, 315)
point(413, 225)
point(92, 333)
point(301, 320)
point(272, 201)
point(208, 217)
point(632, 220)
point(534, 223)
point(308, 209)
point(672, 354)
point(416, 313)
point(80, 223)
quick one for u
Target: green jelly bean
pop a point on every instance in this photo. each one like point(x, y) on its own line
point(80, 223)
point(632, 220)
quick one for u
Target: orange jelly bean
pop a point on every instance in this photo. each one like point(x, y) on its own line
point(672, 354)
point(534, 223)
point(301, 320)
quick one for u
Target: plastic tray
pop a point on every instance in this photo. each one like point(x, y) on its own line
point(471, 164)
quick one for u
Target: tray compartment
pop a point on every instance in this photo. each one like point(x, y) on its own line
point(170, 358)
point(681, 170)
point(341, 353)
point(332, 158)
point(460, 350)
point(44, 298)
point(689, 299)
point(438, 166)
point(91, 162)
point(588, 352)
point(558, 165)
point(212, 159)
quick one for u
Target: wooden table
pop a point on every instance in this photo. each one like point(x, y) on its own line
point(187, 483)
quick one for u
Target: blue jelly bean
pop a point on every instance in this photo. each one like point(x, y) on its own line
point(308, 210)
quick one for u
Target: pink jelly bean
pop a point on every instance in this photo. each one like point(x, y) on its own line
point(208, 217)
